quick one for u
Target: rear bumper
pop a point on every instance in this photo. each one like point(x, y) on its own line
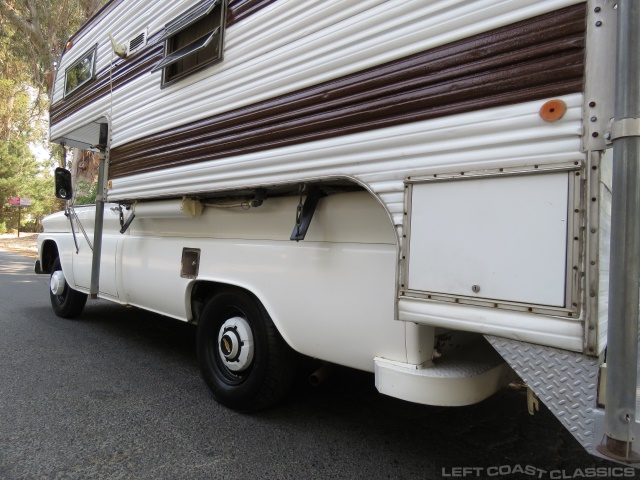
point(461, 379)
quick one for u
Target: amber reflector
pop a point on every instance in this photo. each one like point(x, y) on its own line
point(553, 110)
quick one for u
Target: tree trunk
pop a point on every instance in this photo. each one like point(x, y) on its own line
point(85, 166)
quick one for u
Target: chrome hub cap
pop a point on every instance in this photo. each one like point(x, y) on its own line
point(235, 344)
point(57, 282)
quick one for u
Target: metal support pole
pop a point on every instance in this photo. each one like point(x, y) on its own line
point(622, 349)
point(64, 155)
point(99, 219)
point(19, 218)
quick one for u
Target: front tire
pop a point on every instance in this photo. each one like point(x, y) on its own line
point(243, 359)
point(65, 301)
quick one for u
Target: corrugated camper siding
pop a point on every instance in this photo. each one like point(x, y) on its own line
point(126, 71)
point(297, 71)
point(529, 60)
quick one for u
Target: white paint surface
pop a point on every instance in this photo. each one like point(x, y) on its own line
point(507, 235)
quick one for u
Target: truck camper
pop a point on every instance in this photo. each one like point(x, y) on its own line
point(419, 189)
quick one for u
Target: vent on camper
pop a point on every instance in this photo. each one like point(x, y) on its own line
point(137, 43)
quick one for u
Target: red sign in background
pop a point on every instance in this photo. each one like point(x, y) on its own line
point(19, 202)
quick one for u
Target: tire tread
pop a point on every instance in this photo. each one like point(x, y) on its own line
point(274, 376)
point(74, 302)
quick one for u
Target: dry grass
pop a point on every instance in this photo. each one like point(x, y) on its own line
point(25, 245)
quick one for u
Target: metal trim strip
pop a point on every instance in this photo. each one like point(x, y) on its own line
point(190, 49)
point(190, 17)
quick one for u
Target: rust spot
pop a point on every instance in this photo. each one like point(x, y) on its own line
point(553, 110)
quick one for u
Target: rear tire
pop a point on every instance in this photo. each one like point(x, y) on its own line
point(243, 359)
point(65, 301)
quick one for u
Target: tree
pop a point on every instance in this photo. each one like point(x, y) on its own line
point(43, 28)
point(21, 175)
point(20, 127)
point(33, 34)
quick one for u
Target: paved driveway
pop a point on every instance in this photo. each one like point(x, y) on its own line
point(117, 394)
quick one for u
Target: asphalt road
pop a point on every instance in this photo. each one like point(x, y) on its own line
point(117, 394)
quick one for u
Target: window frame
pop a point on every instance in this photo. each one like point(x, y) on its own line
point(91, 51)
point(182, 23)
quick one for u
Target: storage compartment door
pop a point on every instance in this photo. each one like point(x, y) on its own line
point(497, 238)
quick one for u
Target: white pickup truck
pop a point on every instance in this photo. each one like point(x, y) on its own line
point(422, 189)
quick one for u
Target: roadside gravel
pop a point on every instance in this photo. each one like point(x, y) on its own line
point(25, 245)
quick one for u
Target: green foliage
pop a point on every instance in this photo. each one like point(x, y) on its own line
point(31, 226)
point(21, 175)
point(15, 103)
point(33, 34)
point(38, 31)
point(3, 228)
point(85, 192)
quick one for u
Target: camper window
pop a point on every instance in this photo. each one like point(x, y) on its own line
point(81, 72)
point(193, 41)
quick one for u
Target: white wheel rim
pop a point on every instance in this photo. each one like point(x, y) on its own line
point(57, 282)
point(235, 344)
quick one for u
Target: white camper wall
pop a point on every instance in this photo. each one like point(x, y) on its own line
point(289, 45)
point(124, 21)
point(500, 137)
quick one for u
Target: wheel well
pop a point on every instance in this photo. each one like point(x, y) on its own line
point(202, 291)
point(49, 255)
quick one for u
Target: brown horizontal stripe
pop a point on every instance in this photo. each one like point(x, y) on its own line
point(530, 60)
point(241, 9)
point(127, 70)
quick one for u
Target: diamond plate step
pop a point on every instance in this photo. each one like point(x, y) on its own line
point(567, 383)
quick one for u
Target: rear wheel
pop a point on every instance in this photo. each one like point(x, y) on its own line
point(243, 359)
point(66, 302)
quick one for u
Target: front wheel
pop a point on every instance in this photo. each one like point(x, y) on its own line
point(243, 359)
point(66, 302)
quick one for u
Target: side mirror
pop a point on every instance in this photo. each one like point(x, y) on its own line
point(64, 188)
